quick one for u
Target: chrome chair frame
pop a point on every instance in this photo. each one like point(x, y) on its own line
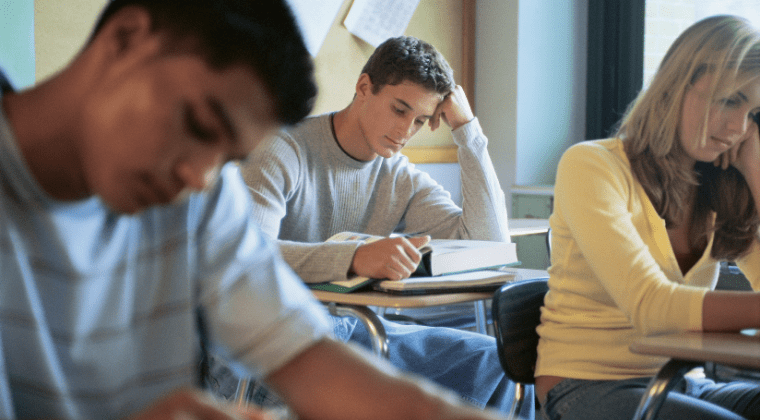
point(516, 314)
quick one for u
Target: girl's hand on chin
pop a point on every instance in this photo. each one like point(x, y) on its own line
point(744, 155)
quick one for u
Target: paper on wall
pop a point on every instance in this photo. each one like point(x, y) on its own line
point(315, 19)
point(374, 21)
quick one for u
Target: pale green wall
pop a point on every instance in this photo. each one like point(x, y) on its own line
point(530, 84)
point(17, 41)
point(551, 86)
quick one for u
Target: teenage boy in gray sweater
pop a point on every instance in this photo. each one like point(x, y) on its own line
point(341, 171)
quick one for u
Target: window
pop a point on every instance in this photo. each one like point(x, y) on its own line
point(666, 19)
point(626, 42)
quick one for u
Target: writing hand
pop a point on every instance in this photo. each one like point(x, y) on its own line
point(455, 110)
point(390, 258)
point(192, 404)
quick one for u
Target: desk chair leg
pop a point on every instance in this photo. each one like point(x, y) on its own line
point(481, 322)
point(659, 387)
point(242, 391)
point(520, 391)
point(370, 321)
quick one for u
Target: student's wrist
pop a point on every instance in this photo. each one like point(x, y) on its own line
point(468, 132)
point(460, 123)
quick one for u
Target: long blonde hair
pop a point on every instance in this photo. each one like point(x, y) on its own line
point(728, 48)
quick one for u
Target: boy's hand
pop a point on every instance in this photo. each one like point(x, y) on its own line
point(193, 404)
point(455, 110)
point(390, 258)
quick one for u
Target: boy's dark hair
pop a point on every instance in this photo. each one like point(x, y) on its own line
point(261, 34)
point(407, 58)
point(5, 84)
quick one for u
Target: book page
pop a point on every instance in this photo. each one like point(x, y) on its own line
point(462, 281)
point(353, 236)
point(374, 21)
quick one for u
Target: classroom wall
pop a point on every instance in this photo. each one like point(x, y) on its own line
point(61, 27)
point(60, 30)
point(17, 41)
point(529, 103)
point(38, 38)
point(496, 83)
point(530, 84)
point(551, 85)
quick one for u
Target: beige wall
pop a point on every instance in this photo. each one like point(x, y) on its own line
point(62, 27)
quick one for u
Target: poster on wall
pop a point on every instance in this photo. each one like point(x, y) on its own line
point(315, 19)
point(374, 21)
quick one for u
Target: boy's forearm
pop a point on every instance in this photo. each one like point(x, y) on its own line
point(318, 262)
point(332, 381)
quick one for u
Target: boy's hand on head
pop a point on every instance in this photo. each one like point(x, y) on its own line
point(455, 110)
point(390, 258)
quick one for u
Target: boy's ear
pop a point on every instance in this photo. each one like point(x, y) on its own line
point(126, 29)
point(363, 86)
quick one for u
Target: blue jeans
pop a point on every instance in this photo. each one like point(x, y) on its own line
point(691, 399)
point(463, 361)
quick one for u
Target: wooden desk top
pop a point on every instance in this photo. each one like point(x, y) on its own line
point(522, 227)
point(387, 300)
point(734, 349)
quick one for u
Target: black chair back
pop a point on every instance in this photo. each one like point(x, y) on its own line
point(516, 312)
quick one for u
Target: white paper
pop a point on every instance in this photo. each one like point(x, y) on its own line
point(315, 19)
point(374, 21)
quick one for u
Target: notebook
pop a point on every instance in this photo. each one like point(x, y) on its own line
point(471, 281)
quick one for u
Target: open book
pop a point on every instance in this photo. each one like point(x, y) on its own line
point(439, 256)
point(448, 256)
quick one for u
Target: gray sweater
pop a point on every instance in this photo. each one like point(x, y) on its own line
point(306, 189)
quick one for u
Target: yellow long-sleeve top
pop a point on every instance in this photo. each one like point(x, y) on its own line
point(613, 275)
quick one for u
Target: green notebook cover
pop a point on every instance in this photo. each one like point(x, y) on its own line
point(344, 286)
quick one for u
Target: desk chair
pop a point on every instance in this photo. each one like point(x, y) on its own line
point(516, 314)
point(660, 385)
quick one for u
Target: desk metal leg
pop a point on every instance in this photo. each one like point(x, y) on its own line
point(520, 391)
point(241, 396)
point(481, 322)
point(370, 321)
point(659, 387)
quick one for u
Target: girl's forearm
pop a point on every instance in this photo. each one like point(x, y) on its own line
point(730, 311)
